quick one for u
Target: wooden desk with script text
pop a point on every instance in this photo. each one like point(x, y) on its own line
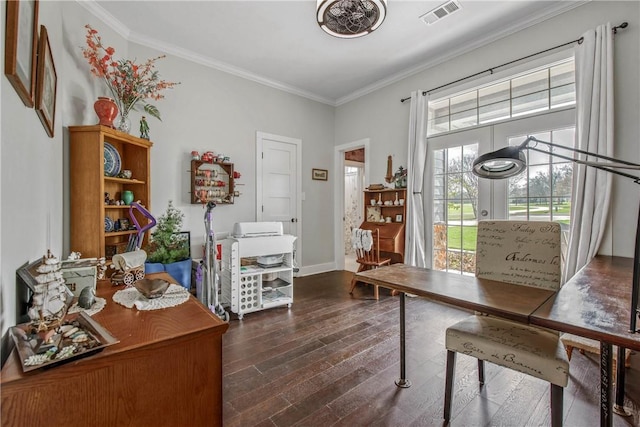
point(595, 304)
point(165, 371)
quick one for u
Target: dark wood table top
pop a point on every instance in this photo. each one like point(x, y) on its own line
point(505, 300)
point(595, 303)
point(134, 328)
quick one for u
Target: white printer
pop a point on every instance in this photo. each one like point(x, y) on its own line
point(257, 229)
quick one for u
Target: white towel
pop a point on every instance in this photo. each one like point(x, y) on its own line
point(355, 238)
point(366, 239)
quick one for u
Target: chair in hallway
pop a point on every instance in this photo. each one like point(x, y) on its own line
point(367, 246)
point(523, 253)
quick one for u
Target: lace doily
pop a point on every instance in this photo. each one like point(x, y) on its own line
point(129, 297)
point(98, 305)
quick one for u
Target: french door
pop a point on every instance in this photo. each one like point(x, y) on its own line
point(460, 199)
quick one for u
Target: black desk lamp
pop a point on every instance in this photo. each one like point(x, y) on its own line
point(510, 161)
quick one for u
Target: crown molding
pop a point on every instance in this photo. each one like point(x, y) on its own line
point(100, 13)
point(224, 67)
point(560, 8)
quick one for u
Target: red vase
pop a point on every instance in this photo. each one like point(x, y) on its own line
point(106, 109)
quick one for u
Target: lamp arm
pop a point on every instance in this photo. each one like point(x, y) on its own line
point(529, 139)
point(603, 166)
point(635, 286)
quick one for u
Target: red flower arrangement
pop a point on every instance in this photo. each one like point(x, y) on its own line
point(127, 81)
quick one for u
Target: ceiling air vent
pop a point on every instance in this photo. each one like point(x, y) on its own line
point(440, 12)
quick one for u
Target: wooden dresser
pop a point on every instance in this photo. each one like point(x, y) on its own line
point(165, 371)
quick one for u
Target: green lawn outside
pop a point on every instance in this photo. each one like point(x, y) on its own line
point(454, 212)
point(564, 208)
point(469, 234)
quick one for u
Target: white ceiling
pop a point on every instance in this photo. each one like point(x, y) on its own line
point(279, 43)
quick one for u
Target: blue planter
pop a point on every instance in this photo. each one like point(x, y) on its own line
point(181, 271)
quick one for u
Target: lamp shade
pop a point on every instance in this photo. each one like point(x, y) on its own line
point(350, 18)
point(500, 164)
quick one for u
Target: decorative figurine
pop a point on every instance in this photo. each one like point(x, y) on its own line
point(129, 267)
point(87, 297)
point(51, 297)
point(400, 178)
point(144, 128)
point(207, 156)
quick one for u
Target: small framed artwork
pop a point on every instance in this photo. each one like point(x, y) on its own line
point(399, 218)
point(21, 44)
point(320, 174)
point(374, 214)
point(46, 83)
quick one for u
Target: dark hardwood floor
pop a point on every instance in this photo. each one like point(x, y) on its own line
point(332, 360)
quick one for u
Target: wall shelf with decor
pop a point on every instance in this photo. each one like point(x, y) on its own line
point(98, 157)
point(212, 181)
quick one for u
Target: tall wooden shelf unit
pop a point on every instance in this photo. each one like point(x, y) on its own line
point(88, 185)
point(379, 205)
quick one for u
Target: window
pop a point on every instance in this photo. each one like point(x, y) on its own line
point(455, 206)
point(542, 192)
point(543, 89)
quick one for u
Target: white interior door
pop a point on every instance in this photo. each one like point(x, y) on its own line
point(277, 188)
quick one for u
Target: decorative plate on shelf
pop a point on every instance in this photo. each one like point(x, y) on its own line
point(108, 224)
point(112, 161)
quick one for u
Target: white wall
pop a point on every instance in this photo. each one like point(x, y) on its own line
point(210, 110)
point(381, 117)
point(31, 171)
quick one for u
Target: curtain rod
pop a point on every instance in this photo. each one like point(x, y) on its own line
point(490, 70)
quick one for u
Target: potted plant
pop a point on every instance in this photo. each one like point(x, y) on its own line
point(169, 248)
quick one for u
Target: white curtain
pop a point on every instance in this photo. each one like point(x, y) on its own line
point(415, 238)
point(594, 133)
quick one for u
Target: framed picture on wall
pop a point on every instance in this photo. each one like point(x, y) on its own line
point(320, 174)
point(21, 44)
point(399, 218)
point(46, 83)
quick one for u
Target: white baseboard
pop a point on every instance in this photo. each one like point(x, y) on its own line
point(315, 269)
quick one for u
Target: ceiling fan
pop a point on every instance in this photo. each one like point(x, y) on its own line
point(350, 18)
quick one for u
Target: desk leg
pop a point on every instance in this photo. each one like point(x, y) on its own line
point(618, 407)
point(402, 382)
point(606, 415)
